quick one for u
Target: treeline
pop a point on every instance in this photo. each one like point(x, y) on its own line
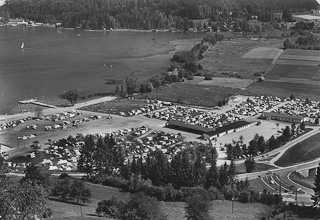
point(302, 38)
point(191, 171)
point(143, 14)
point(259, 145)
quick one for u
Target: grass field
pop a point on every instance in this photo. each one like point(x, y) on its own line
point(240, 168)
point(295, 72)
point(174, 210)
point(306, 182)
point(304, 151)
point(284, 89)
point(233, 57)
point(115, 106)
point(191, 94)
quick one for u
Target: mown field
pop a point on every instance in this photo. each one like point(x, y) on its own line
point(115, 106)
point(306, 150)
point(283, 89)
point(295, 72)
point(241, 56)
point(191, 94)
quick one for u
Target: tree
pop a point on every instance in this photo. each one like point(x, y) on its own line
point(287, 133)
point(62, 189)
point(316, 120)
point(292, 97)
point(25, 200)
point(286, 15)
point(250, 164)
point(277, 124)
point(38, 111)
point(316, 197)
point(141, 206)
point(37, 175)
point(109, 208)
point(72, 96)
point(197, 207)
point(79, 192)
point(131, 84)
point(302, 126)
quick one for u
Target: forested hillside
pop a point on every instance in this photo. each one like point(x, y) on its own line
point(142, 14)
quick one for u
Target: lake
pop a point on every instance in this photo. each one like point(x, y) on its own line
point(56, 60)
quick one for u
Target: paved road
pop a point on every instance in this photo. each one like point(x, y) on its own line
point(281, 150)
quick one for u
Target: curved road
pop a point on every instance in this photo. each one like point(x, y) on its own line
point(284, 172)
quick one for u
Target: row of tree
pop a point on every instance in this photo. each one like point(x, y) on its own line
point(143, 14)
point(259, 145)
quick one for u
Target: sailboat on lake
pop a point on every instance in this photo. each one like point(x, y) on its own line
point(22, 45)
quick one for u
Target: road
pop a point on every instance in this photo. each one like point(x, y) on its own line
point(281, 150)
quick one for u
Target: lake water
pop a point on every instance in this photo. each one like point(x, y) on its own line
point(56, 60)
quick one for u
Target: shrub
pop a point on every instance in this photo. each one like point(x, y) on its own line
point(141, 206)
point(197, 207)
point(116, 182)
point(244, 196)
point(190, 78)
point(183, 57)
point(215, 193)
point(109, 208)
point(63, 176)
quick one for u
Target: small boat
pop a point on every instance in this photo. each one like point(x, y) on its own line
point(22, 45)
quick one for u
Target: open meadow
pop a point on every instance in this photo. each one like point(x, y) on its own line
point(295, 72)
point(191, 94)
point(242, 57)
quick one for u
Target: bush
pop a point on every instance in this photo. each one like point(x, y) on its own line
point(109, 208)
point(116, 182)
point(141, 206)
point(215, 193)
point(190, 78)
point(244, 196)
point(183, 57)
point(63, 176)
point(197, 207)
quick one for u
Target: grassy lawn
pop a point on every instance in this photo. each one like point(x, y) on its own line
point(240, 168)
point(258, 186)
point(306, 150)
point(304, 181)
point(116, 106)
point(191, 94)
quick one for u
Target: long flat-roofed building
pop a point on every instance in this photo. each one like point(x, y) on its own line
point(282, 117)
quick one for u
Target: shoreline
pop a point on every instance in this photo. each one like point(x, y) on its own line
point(173, 46)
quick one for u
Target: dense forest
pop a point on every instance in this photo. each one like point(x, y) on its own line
point(143, 14)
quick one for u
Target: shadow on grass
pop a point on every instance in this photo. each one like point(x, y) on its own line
point(66, 201)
